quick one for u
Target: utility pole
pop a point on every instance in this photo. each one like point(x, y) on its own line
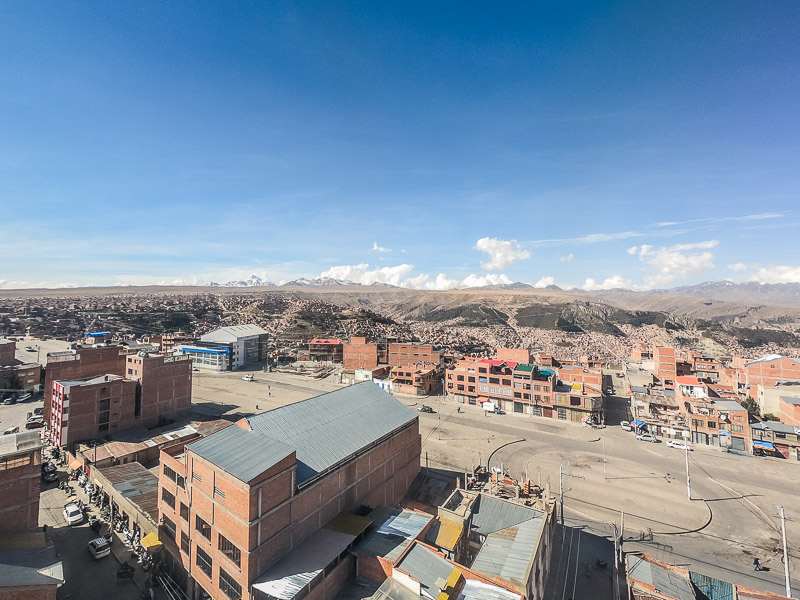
point(785, 554)
point(561, 490)
point(604, 457)
point(688, 479)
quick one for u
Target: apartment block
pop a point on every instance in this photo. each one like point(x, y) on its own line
point(405, 355)
point(154, 389)
point(416, 381)
point(641, 351)
point(665, 365)
point(244, 344)
point(326, 350)
point(581, 376)
point(769, 397)
point(82, 362)
point(359, 354)
point(722, 423)
point(770, 370)
point(237, 503)
point(25, 376)
point(20, 467)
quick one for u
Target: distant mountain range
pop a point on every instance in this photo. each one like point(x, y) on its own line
point(256, 281)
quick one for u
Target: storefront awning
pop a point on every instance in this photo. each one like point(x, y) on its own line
point(150, 542)
point(75, 464)
point(763, 445)
point(638, 423)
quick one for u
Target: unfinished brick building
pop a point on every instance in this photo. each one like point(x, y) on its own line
point(238, 501)
point(358, 354)
point(20, 461)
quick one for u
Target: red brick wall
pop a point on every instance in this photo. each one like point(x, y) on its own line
point(19, 500)
point(29, 592)
point(402, 355)
point(769, 373)
point(518, 355)
point(7, 353)
point(358, 354)
point(166, 385)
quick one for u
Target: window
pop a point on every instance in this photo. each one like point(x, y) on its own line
point(184, 512)
point(712, 425)
point(104, 404)
point(229, 550)
point(229, 586)
point(481, 370)
point(184, 543)
point(471, 379)
point(737, 428)
point(202, 527)
point(506, 382)
point(495, 380)
point(219, 492)
point(168, 498)
point(196, 477)
point(562, 414)
point(203, 561)
point(169, 526)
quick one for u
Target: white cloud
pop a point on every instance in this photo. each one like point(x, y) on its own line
point(610, 283)
point(399, 275)
point(567, 258)
point(544, 282)
point(591, 238)
point(777, 274)
point(675, 262)
point(376, 248)
point(738, 267)
point(501, 252)
point(362, 273)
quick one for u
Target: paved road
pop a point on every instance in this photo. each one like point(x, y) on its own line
point(86, 578)
point(731, 519)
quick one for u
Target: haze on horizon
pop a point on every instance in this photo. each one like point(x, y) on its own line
point(437, 146)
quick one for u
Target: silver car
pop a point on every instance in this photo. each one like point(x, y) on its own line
point(646, 437)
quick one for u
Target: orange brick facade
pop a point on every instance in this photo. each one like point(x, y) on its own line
point(20, 484)
point(358, 354)
point(269, 516)
point(406, 355)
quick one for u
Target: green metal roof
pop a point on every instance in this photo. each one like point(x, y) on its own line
point(522, 367)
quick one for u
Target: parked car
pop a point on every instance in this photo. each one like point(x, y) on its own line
point(426, 409)
point(679, 445)
point(620, 375)
point(49, 466)
point(10, 400)
point(626, 426)
point(73, 515)
point(30, 349)
point(39, 410)
point(646, 437)
point(34, 425)
point(99, 548)
point(24, 397)
point(49, 476)
point(11, 430)
point(248, 378)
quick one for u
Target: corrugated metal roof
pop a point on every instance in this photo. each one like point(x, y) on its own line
point(303, 564)
point(240, 452)
point(446, 534)
point(24, 441)
point(663, 580)
point(232, 333)
point(713, 588)
point(30, 566)
point(477, 590)
point(329, 429)
point(427, 567)
point(395, 529)
point(390, 589)
point(135, 483)
point(490, 514)
point(349, 523)
point(728, 405)
point(509, 553)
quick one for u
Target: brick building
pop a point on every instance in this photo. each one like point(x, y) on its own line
point(521, 388)
point(416, 381)
point(789, 410)
point(665, 365)
point(8, 349)
point(582, 376)
point(359, 354)
point(769, 370)
point(245, 344)
point(769, 397)
point(326, 350)
point(517, 355)
point(238, 501)
point(641, 351)
point(711, 422)
point(20, 466)
point(155, 388)
point(404, 355)
point(83, 362)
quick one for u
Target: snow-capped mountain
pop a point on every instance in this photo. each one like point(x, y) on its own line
point(252, 281)
point(320, 282)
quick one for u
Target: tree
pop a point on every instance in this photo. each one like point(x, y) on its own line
point(751, 406)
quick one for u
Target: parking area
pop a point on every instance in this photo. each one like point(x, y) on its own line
point(15, 415)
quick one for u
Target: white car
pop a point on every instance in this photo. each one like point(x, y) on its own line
point(679, 445)
point(646, 437)
point(72, 514)
point(99, 548)
point(626, 426)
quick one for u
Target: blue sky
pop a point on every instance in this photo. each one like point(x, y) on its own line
point(438, 145)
